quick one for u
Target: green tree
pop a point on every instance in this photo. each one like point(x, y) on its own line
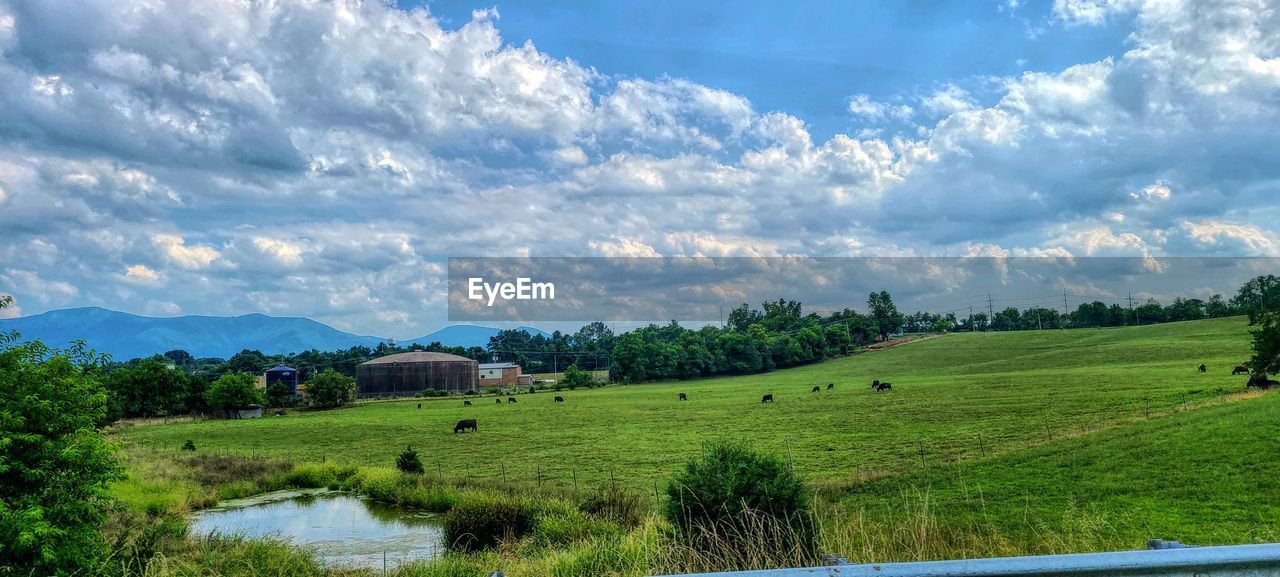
point(148, 389)
point(888, 319)
point(1266, 343)
point(330, 389)
point(55, 464)
point(574, 378)
point(234, 391)
point(278, 395)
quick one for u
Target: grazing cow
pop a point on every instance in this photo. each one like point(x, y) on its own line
point(875, 385)
point(1240, 370)
point(885, 386)
point(683, 397)
point(1203, 368)
point(466, 403)
point(1259, 380)
point(767, 398)
point(559, 399)
point(831, 386)
point(499, 401)
point(511, 399)
point(419, 405)
point(816, 389)
point(465, 425)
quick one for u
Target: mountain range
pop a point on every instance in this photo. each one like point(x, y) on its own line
point(125, 336)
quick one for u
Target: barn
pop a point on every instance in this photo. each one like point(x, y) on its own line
point(407, 374)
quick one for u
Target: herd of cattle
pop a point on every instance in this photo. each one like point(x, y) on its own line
point(470, 424)
point(1259, 380)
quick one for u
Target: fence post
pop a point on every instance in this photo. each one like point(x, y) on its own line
point(920, 445)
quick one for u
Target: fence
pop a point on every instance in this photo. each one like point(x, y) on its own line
point(1162, 561)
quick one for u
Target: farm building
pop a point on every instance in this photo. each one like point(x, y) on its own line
point(499, 374)
point(282, 374)
point(407, 374)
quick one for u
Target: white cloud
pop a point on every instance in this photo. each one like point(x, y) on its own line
point(360, 145)
point(284, 252)
point(1241, 238)
point(141, 274)
point(175, 248)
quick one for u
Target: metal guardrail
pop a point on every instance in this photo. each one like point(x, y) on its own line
point(1165, 559)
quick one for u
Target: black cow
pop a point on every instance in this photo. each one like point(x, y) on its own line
point(1260, 380)
point(875, 385)
point(419, 405)
point(1240, 370)
point(499, 401)
point(816, 389)
point(1203, 368)
point(831, 386)
point(465, 425)
point(559, 399)
point(683, 397)
point(466, 403)
point(767, 398)
point(511, 399)
point(885, 386)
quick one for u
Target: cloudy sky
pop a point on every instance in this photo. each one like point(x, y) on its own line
point(323, 159)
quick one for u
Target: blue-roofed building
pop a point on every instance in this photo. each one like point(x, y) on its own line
point(283, 374)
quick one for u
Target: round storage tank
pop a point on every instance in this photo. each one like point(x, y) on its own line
point(407, 374)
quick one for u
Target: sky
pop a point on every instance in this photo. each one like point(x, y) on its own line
point(325, 159)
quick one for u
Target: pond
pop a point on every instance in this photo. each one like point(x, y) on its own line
point(343, 529)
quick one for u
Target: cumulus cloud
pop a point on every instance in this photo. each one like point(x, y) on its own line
point(324, 159)
point(175, 248)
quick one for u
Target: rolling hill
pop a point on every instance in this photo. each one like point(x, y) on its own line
point(125, 335)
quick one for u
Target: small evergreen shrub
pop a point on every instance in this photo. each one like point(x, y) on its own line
point(189, 445)
point(408, 462)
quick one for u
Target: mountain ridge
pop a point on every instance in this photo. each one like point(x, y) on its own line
point(126, 335)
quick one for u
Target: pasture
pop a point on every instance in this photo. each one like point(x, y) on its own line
point(960, 397)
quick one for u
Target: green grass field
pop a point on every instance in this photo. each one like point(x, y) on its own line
point(961, 397)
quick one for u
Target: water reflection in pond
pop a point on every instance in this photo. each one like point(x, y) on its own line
point(343, 529)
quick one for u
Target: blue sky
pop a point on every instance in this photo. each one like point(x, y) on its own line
point(325, 159)
point(806, 58)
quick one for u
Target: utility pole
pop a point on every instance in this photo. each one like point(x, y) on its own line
point(1064, 304)
point(991, 313)
point(1135, 316)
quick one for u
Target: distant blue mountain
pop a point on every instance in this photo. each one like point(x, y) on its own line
point(467, 335)
point(126, 336)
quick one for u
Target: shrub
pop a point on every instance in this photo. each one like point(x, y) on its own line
point(619, 505)
point(189, 445)
point(233, 391)
point(55, 464)
point(733, 494)
point(408, 462)
point(331, 389)
point(278, 395)
point(484, 521)
point(575, 377)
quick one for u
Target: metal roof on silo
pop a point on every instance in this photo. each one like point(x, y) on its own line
point(418, 357)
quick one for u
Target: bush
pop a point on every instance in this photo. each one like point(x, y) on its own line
point(330, 389)
point(233, 391)
point(733, 494)
point(619, 505)
point(55, 464)
point(484, 521)
point(189, 445)
point(575, 377)
point(278, 395)
point(408, 462)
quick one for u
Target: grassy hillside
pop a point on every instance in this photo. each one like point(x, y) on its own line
point(956, 397)
point(1204, 477)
